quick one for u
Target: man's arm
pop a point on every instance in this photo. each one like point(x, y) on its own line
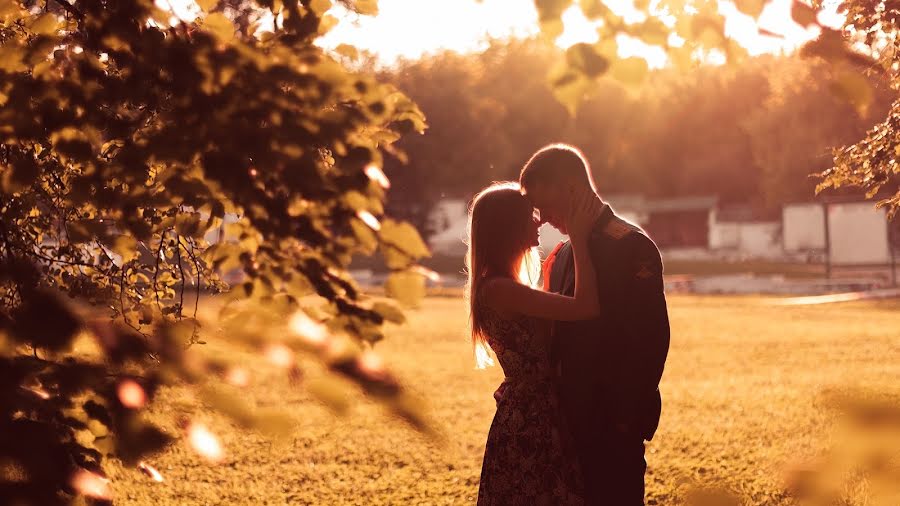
point(646, 321)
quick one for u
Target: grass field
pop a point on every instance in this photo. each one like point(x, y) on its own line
point(742, 393)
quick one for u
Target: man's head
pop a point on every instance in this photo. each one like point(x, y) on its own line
point(550, 177)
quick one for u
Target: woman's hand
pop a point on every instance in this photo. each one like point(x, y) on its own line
point(584, 209)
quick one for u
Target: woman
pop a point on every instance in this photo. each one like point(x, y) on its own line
point(527, 459)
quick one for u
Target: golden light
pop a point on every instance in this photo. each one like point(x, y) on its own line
point(483, 358)
point(91, 485)
point(205, 443)
point(150, 471)
point(428, 273)
point(369, 219)
point(280, 355)
point(304, 326)
point(38, 391)
point(131, 394)
point(375, 173)
point(237, 376)
point(370, 363)
point(468, 25)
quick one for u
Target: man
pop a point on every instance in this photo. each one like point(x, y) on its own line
point(609, 367)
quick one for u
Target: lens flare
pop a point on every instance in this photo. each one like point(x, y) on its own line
point(280, 355)
point(150, 471)
point(369, 219)
point(38, 391)
point(131, 395)
point(428, 273)
point(205, 443)
point(91, 484)
point(305, 327)
point(376, 174)
point(238, 376)
point(370, 363)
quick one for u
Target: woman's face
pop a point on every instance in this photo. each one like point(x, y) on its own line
point(533, 226)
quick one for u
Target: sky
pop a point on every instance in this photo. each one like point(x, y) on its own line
point(412, 28)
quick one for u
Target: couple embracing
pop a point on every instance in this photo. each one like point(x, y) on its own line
point(583, 356)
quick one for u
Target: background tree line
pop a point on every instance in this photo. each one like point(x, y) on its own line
point(751, 134)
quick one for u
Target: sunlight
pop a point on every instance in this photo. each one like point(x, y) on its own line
point(483, 358)
point(91, 484)
point(410, 30)
point(205, 443)
point(131, 394)
point(150, 471)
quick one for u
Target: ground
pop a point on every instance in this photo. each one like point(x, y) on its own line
point(743, 395)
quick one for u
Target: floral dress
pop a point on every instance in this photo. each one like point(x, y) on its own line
point(528, 458)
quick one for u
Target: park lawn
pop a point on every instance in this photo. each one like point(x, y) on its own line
point(743, 396)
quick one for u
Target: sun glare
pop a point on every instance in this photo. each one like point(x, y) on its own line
point(405, 29)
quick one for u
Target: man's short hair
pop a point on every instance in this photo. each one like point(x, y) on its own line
point(556, 162)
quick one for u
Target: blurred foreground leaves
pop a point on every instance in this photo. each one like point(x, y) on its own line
point(146, 159)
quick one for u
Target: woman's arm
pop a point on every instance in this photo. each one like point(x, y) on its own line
point(510, 295)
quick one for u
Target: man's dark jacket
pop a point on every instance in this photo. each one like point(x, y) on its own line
point(610, 367)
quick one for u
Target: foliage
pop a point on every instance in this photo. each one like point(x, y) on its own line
point(685, 29)
point(143, 157)
point(751, 134)
point(871, 164)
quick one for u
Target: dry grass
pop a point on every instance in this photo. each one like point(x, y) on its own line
point(742, 397)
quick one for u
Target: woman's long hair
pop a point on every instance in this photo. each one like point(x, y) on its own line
point(499, 245)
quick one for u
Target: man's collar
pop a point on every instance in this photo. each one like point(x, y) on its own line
point(606, 214)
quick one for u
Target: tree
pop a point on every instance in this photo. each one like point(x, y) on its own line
point(127, 138)
point(871, 164)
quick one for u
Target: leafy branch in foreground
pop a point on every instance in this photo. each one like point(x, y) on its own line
point(143, 157)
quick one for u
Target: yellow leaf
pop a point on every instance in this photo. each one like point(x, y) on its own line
point(347, 51)
point(320, 7)
point(750, 7)
point(220, 26)
point(629, 71)
point(207, 5)
point(126, 247)
point(407, 287)
point(367, 7)
point(11, 58)
point(803, 14)
point(389, 312)
point(46, 24)
point(402, 244)
point(11, 11)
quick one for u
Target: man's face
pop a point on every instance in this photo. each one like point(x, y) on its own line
point(549, 202)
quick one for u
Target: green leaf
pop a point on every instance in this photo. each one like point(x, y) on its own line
point(803, 14)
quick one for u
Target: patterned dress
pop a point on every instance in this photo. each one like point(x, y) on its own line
point(528, 458)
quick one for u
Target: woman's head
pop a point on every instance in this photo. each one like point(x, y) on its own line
point(503, 234)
